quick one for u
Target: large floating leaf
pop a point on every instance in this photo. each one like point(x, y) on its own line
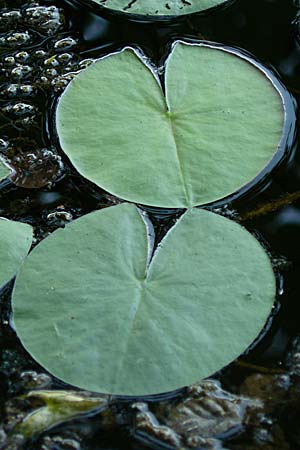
point(15, 242)
point(219, 125)
point(159, 7)
point(90, 309)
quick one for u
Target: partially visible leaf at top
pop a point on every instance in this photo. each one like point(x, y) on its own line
point(218, 126)
point(159, 7)
point(15, 242)
point(92, 310)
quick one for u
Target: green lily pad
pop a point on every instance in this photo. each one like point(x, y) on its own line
point(90, 307)
point(218, 126)
point(4, 171)
point(15, 242)
point(159, 7)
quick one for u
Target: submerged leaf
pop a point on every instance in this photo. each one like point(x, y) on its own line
point(59, 406)
point(100, 317)
point(159, 7)
point(219, 125)
point(15, 242)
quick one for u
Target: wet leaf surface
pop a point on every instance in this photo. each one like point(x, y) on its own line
point(159, 7)
point(4, 171)
point(15, 242)
point(89, 296)
point(218, 126)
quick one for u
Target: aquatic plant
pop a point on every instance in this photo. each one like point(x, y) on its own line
point(210, 129)
point(95, 295)
point(15, 242)
point(157, 8)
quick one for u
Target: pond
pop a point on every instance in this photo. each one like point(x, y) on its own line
point(254, 402)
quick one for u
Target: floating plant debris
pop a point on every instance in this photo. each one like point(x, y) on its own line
point(159, 7)
point(15, 242)
point(219, 124)
point(95, 295)
point(58, 407)
point(205, 412)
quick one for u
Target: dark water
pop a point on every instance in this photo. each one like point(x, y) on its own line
point(267, 30)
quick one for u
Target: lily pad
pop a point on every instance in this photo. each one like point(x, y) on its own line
point(219, 124)
point(91, 307)
point(15, 242)
point(159, 7)
point(4, 171)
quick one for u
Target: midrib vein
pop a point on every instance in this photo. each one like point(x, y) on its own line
point(140, 289)
point(129, 334)
point(181, 175)
point(142, 294)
